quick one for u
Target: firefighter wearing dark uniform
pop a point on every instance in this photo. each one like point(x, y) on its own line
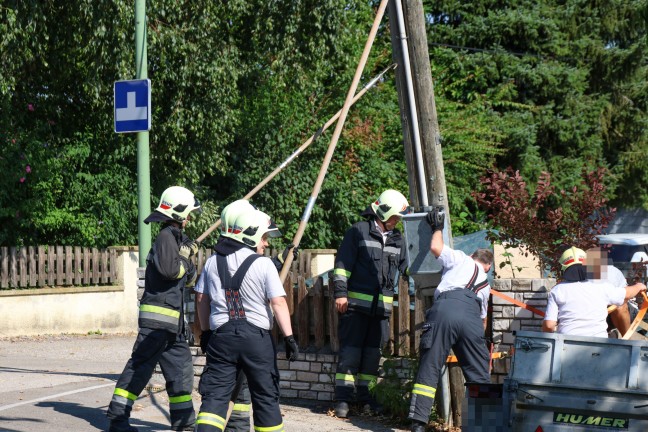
point(456, 320)
point(161, 335)
point(366, 268)
point(240, 290)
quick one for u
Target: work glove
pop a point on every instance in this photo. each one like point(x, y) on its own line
point(436, 218)
point(188, 249)
point(190, 271)
point(191, 278)
point(292, 349)
point(204, 340)
point(279, 260)
point(192, 245)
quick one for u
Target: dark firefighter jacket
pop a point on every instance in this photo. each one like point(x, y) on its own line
point(365, 269)
point(167, 272)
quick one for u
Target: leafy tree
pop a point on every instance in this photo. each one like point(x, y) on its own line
point(540, 221)
point(237, 86)
point(56, 98)
point(301, 83)
point(560, 85)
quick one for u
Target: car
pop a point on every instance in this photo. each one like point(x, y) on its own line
point(626, 251)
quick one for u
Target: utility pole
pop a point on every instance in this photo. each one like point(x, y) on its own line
point(422, 139)
point(423, 89)
point(143, 169)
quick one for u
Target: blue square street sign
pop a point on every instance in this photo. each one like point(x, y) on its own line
point(132, 105)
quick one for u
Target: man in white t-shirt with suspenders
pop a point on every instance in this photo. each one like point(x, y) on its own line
point(456, 320)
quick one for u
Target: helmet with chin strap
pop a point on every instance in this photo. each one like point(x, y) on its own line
point(229, 214)
point(390, 203)
point(177, 202)
point(572, 256)
point(250, 227)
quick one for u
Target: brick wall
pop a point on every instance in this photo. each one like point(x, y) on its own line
point(310, 376)
point(508, 318)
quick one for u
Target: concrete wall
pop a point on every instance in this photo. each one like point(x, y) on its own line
point(79, 310)
point(520, 264)
point(323, 260)
point(52, 310)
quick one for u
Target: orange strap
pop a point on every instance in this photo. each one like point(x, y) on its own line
point(518, 303)
point(496, 355)
point(638, 318)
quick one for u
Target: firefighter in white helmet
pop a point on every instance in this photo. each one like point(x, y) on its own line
point(367, 264)
point(577, 306)
point(239, 420)
point(240, 290)
point(230, 213)
point(169, 269)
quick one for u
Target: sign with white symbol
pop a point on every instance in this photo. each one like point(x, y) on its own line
point(132, 105)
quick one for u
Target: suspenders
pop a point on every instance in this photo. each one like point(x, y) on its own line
point(471, 283)
point(232, 284)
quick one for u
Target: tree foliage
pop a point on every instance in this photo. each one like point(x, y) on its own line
point(543, 221)
point(239, 85)
point(559, 86)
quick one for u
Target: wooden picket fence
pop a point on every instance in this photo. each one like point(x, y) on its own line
point(315, 318)
point(310, 297)
point(41, 266)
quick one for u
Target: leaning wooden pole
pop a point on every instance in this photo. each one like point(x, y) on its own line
point(301, 148)
point(335, 138)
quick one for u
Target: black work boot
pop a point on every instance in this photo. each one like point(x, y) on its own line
point(417, 426)
point(372, 407)
point(121, 426)
point(342, 409)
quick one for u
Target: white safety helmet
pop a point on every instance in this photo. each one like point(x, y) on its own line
point(572, 256)
point(230, 213)
point(250, 227)
point(177, 202)
point(390, 203)
point(638, 257)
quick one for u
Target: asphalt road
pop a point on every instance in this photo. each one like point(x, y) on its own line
point(64, 383)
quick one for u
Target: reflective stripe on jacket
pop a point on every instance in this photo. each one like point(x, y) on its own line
point(365, 270)
point(162, 303)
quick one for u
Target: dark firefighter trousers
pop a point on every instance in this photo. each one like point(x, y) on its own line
point(171, 351)
point(452, 322)
point(361, 337)
point(238, 346)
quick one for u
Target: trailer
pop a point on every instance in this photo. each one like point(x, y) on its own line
point(560, 383)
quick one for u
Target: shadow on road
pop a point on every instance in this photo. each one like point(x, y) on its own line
point(112, 377)
point(3, 419)
point(96, 417)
